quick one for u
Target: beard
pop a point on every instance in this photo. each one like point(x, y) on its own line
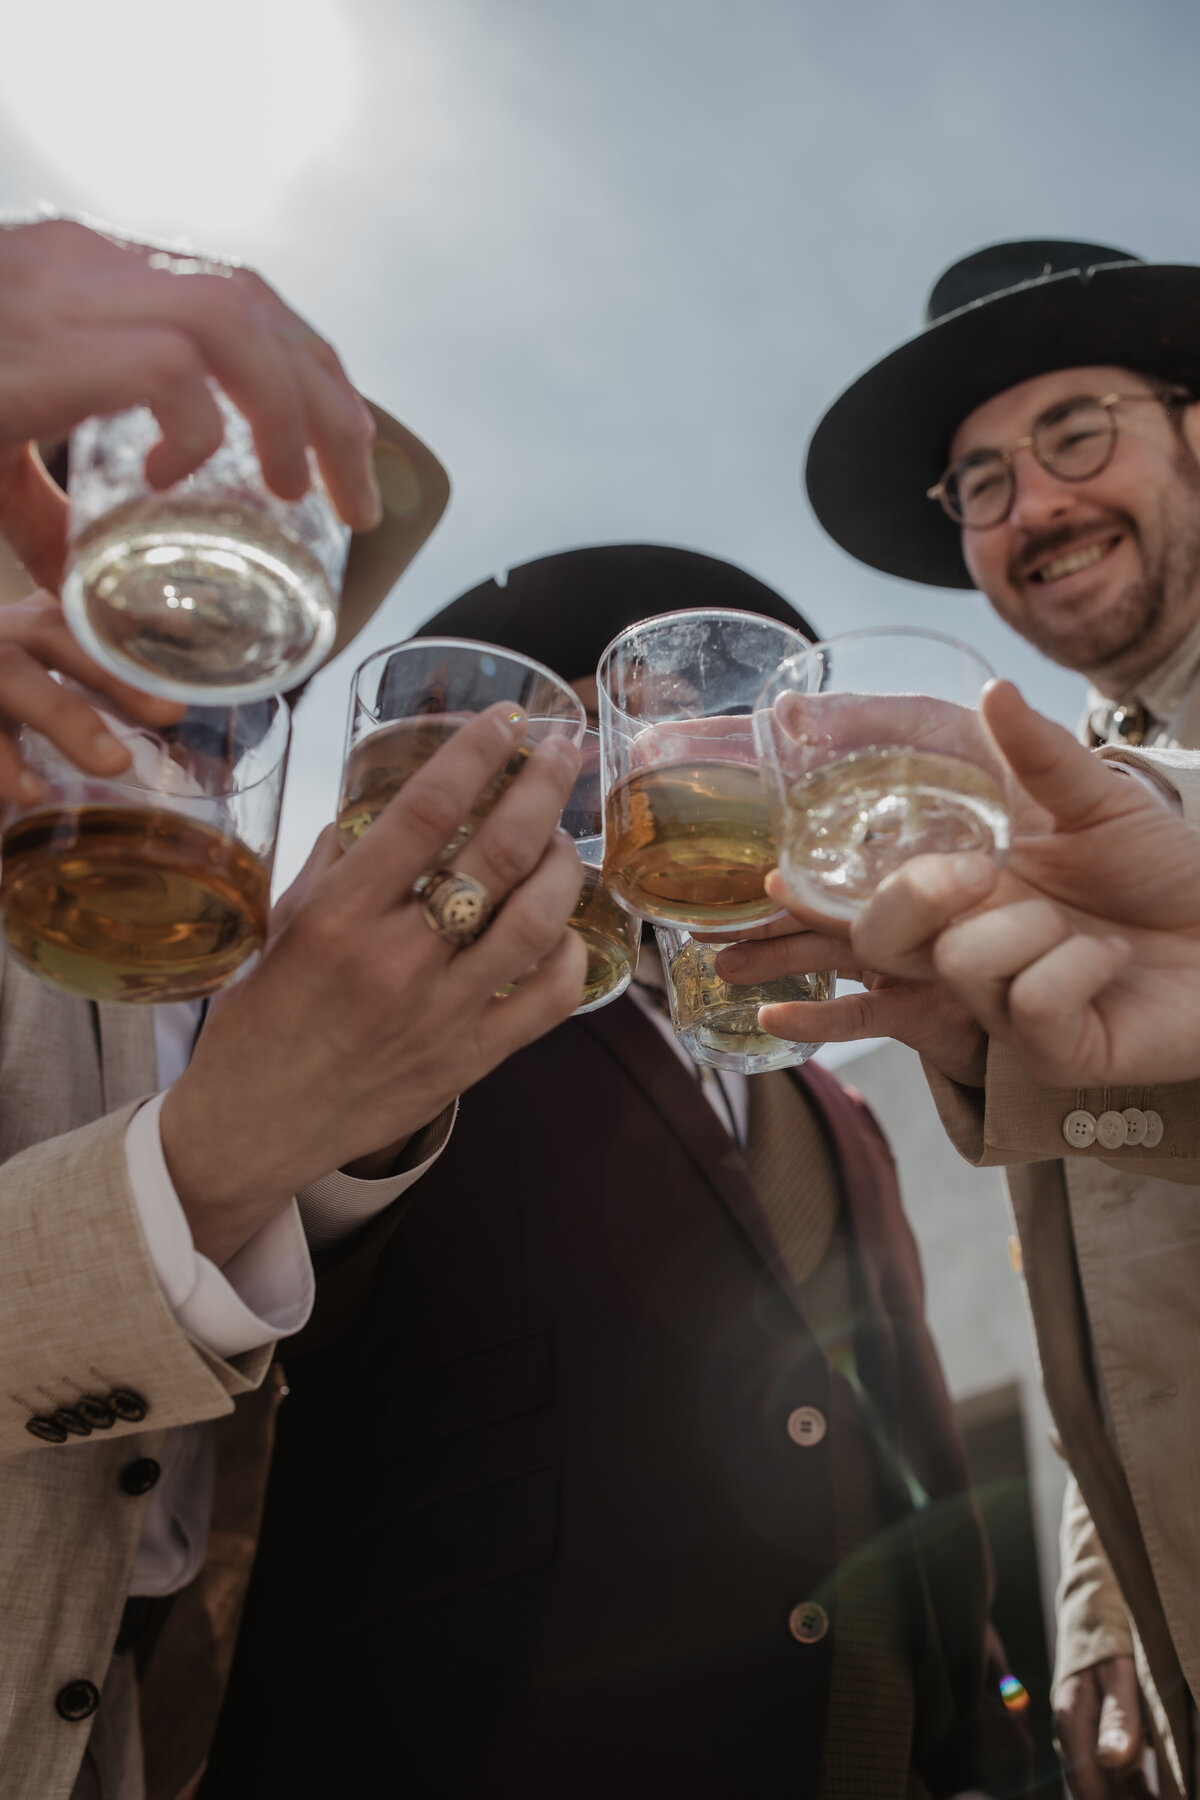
point(1143, 623)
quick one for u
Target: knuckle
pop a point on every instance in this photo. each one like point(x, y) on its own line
point(170, 361)
point(431, 808)
point(508, 854)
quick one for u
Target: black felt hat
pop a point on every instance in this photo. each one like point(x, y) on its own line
point(999, 317)
point(564, 610)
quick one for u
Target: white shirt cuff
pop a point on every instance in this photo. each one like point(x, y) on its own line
point(263, 1292)
point(338, 1204)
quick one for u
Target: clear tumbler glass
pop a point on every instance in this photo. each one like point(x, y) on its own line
point(214, 591)
point(874, 751)
point(717, 1022)
point(154, 885)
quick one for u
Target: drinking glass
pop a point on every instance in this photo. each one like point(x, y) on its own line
point(874, 751)
point(687, 837)
point(154, 885)
point(717, 1021)
point(214, 591)
point(408, 700)
point(612, 935)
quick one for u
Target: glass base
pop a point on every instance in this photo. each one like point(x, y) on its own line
point(742, 1052)
point(212, 609)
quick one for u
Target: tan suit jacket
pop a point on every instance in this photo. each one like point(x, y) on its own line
point(1110, 1244)
point(81, 1313)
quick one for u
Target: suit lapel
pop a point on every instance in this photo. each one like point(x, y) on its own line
point(631, 1040)
point(128, 1063)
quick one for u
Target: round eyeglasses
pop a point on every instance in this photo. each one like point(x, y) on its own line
point(1072, 440)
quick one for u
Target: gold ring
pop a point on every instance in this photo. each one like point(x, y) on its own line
point(455, 905)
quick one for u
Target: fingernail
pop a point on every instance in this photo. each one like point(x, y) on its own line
point(1121, 944)
point(969, 871)
point(732, 960)
point(106, 745)
point(1113, 1739)
point(511, 725)
point(32, 786)
point(563, 749)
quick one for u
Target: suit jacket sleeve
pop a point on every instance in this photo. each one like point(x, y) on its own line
point(1091, 1617)
point(1014, 1119)
point(81, 1309)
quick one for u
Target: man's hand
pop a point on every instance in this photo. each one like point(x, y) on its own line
point(361, 1024)
point(90, 324)
point(1084, 951)
point(1097, 1721)
point(920, 1013)
point(33, 640)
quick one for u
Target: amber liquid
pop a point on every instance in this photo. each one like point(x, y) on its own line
point(123, 903)
point(690, 844)
point(715, 1015)
point(851, 822)
point(612, 937)
point(379, 765)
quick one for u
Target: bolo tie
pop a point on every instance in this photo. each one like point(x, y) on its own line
point(1124, 724)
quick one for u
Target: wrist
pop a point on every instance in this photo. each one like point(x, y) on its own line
point(226, 1197)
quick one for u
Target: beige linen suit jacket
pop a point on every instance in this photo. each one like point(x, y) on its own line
point(81, 1313)
point(1110, 1248)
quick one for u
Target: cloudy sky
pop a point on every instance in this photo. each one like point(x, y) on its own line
point(612, 261)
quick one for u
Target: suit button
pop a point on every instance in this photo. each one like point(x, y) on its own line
point(1111, 1130)
point(71, 1421)
point(77, 1700)
point(47, 1429)
point(1154, 1131)
point(95, 1412)
point(808, 1623)
point(806, 1426)
point(139, 1476)
point(127, 1405)
point(1135, 1125)
point(1079, 1129)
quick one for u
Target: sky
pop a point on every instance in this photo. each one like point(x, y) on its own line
point(612, 262)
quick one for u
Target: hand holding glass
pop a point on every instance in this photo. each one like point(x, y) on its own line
point(874, 751)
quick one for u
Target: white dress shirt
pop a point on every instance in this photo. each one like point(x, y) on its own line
point(263, 1292)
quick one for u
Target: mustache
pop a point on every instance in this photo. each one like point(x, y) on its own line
point(1064, 538)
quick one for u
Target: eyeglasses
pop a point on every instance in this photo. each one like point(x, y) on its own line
point(1072, 440)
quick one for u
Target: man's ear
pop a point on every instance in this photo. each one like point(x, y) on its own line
point(33, 516)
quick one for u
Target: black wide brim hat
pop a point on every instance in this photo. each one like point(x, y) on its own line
point(1000, 317)
point(565, 610)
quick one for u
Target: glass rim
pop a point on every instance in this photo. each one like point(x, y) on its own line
point(694, 612)
point(457, 643)
point(124, 784)
point(879, 631)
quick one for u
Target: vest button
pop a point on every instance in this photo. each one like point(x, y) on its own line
point(77, 1700)
point(806, 1426)
point(808, 1623)
point(1079, 1129)
point(1154, 1131)
point(140, 1475)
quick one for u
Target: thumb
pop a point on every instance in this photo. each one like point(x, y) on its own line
point(1119, 1734)
point(1069, 781)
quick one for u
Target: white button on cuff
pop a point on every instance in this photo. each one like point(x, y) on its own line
point(808, 1623)
point(1110, 1130)
point(1135, 1125)
point(1154, 1131)
point(1079, 1129)
point(806, 1426)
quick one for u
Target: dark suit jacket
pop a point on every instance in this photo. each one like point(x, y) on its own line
point(536, 1525)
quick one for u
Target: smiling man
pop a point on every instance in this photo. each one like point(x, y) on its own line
point(1039, 440)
